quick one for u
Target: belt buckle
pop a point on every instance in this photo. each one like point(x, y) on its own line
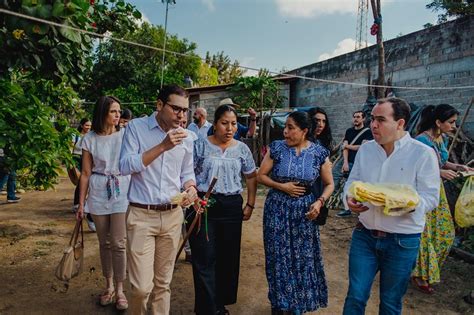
point(378, 233)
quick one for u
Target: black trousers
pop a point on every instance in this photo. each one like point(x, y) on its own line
point(216, 260)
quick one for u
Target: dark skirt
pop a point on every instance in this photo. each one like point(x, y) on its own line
point(216, 254)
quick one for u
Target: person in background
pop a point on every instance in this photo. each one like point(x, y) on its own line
point(383, 243)
point(158, 153)
point(183, 123)
point(200, 126)
point(84, 127)
point(350, 148)
point(103, 194)
point(8, 177)
point(242, 131)
point(125, 117)
point(438, 235)
point(293, 260)
point(216, 247)
point(321, 127)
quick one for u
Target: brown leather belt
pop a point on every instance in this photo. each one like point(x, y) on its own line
point(162, 207)
point(375, 233)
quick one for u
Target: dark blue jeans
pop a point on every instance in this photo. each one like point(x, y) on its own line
point(393, 255)
point(10, 180)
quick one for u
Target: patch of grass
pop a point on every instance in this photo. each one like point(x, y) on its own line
point(39, 253)
point(46, 243)
point(50, 224)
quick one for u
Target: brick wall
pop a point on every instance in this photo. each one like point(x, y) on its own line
point(440, 56)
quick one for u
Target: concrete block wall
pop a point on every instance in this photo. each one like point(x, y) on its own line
point(441, 56)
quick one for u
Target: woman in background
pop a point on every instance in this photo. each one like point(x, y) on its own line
point(438, 235)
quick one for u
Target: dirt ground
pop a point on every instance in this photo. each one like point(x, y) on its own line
point(34, 232)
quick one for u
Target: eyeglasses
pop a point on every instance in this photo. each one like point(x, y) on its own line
point(177, 109)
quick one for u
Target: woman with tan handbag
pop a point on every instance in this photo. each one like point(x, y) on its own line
point(103, 194)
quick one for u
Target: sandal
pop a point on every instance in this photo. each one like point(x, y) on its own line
point(121, 303)
point(425, 288)
point(107, 298)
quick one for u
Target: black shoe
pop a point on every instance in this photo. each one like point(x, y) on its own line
point(344, 214)
point(14, 200)
point(223, 311)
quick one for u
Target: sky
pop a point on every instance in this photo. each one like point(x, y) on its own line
point(280, 34)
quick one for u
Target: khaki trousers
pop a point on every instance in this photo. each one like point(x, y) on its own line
point(152, 245)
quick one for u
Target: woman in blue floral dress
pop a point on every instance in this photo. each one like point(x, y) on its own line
point(294, 265)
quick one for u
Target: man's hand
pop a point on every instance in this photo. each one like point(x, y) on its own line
point(345, 167)
point(191, 196)
point(174, 138)
point(80, 212)
point(247, 213)
point(356, 206)
point(252, 113)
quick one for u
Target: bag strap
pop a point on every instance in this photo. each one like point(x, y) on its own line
point(358, 135)
point(75, 234)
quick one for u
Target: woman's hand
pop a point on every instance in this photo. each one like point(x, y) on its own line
point(448, 174)
point(292, 189)
point(464, 168)
point(314, 209)
point(247, 212)
point(80, 212)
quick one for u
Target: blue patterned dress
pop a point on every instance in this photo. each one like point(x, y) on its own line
point(294, 265)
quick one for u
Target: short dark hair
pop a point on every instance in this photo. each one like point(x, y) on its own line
point(430, 114)
point(81, 123)
point(167, 90)
point(359, 111)
point(401, 109)
point(126, 114)
point(101, 110)
point(303, 121)
point(221, 110)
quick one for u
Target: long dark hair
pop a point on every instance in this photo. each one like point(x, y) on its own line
point(303, 121)
point(326, 136)
point(431, 114)
point(101, 110)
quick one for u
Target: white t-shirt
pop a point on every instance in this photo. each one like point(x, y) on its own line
point(107, 188)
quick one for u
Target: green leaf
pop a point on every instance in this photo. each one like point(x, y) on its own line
point(70, 34)
point(58, 9)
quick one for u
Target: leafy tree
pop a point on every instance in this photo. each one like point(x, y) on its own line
point(120, 65)
point(227, 71)
point(207, 76)
point(40, 66)
point(451, 8)
point(261, 93)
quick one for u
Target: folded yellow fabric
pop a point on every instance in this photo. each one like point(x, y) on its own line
point(397, 199)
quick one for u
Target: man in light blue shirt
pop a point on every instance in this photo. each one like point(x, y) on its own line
point(159, 156)
point(200, 126)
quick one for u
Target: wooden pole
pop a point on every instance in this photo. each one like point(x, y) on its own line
point(460, 126)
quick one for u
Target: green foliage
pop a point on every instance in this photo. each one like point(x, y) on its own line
point(260, 93)
point(131, 94)
point(120, 65)
point(227, 71)
point(34, 131)
point(58, 54)
point(207, 76)
point(451, 8)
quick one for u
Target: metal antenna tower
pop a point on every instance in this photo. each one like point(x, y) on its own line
point(361, 27)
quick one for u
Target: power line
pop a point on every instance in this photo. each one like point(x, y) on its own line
point(282, 75)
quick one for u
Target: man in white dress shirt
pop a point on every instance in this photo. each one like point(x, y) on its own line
point(389, 244)
point(200, 125)
point(159, 156)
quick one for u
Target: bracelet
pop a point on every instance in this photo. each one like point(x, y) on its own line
point(250, 206)
point(253, 119)
point(322, 199)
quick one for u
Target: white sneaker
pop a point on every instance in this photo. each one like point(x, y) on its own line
point(91, 225)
